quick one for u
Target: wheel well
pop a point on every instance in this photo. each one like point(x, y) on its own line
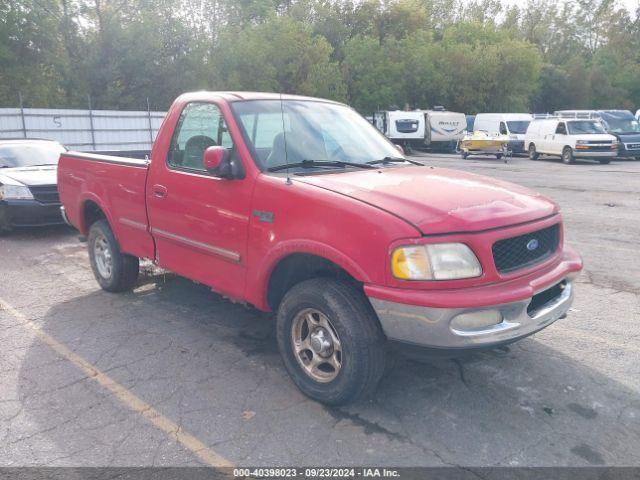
point(91, 213)
point(297, 268)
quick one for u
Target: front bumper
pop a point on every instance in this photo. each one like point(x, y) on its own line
point(521, 307)
point(29, 213)
point(432, 327)
point(626, 152)
point(579, 153)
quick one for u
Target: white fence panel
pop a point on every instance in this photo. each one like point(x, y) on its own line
point(83, 129)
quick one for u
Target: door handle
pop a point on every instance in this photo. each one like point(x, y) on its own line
point(159, 191)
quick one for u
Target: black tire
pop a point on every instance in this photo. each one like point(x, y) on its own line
point(124, 268)
point(604, 161)
point(567, 156)
point(363, 348)
point(533, 154)
point(499, 155)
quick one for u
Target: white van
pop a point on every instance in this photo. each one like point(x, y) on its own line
point(402, 128)
point(443, 129)
point(570, 139)
point(512, 124)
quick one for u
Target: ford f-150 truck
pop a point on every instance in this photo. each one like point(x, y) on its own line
point(299, 206)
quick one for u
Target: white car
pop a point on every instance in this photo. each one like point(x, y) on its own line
point(570, 139)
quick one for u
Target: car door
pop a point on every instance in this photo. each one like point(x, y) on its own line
point(199, 221)
point(559, 138)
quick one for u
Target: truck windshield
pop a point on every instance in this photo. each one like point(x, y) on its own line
point(580, 127)
point(620, 122)
point(29, 155)
point(297, 131)
point(518, 126)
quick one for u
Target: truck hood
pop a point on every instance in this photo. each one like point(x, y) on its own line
point(29, 176)
point(628, 137)
point(437, 200)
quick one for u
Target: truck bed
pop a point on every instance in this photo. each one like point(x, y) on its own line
point(114, 184)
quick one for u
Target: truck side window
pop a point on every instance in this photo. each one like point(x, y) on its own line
point(561, 129)
point(503, 129)
point(201, 125)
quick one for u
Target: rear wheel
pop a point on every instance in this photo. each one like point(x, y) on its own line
point(604, 161)
point(567, 155)
point(533, 154)
point(115, 271)
point(330, 341)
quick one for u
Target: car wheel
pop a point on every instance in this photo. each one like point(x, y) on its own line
point(463, 154)
point(331, 341)
point(533, 154)
point(567, 155)
point(114, 270)
point(499, 156)
point(604, 161)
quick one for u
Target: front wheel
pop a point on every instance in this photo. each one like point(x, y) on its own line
point(533, 154)
point(330, 341)
point(114, 270)
point(567, 155)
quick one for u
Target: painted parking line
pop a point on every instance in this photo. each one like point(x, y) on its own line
point(126, 397)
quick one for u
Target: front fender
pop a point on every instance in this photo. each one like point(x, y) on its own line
point(257, 286)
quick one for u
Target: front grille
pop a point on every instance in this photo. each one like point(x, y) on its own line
point(45, 193)
point(599, 148)
point(519, 252)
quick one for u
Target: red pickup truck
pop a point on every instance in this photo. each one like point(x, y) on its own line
point(299, 206)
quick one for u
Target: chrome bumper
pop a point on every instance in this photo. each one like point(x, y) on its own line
point(64, 216)
point(595, 153)
point(432, 327)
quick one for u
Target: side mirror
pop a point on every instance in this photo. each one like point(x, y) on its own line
point(215, 161)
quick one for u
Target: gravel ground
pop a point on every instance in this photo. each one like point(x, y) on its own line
point(172, 374)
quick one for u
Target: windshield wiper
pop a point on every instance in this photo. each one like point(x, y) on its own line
point(387, 160)
point(318, 163)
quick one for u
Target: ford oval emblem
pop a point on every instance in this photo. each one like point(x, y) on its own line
point(533, 244)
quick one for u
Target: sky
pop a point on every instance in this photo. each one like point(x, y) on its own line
point(631, 5)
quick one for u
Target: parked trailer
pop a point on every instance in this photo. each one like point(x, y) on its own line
point(402, 128)
point(620, 123)
point(443, 129)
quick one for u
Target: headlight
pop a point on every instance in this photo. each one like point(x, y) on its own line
point(15, 192)
point(582, 142)
point(438, 261)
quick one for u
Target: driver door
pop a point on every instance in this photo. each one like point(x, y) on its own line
point(199, 221)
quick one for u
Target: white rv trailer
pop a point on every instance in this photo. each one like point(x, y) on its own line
point(512, 124)
point(443, 129)
point(402, 128)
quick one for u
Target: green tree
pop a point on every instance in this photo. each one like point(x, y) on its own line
point(278, 55)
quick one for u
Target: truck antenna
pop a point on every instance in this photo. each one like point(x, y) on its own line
point(284, 139)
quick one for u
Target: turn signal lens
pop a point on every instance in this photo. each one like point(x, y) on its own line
point(411, 263)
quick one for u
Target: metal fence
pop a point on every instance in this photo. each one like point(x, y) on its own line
point(86, 130)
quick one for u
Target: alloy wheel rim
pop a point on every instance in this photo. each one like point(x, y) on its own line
point(316, 345)
point(103, 257)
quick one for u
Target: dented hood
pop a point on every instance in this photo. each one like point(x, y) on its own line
point(437, 200)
